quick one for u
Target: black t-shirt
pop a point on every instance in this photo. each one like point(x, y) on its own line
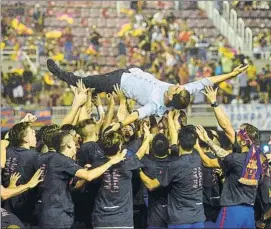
point(57, 206)
point(185, 196)
point(211, 185)
point(114, 202)
point(158, 199)
point(234, 192)
point(22, 161)
point(42, 163)
point(138, 187)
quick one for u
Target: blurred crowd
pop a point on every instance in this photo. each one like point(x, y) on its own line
point(161, 44)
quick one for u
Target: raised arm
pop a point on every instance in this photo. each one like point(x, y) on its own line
point(110, 111)
point(122, 111)
point(85, 111)
point(146, 142)
point(235, 72)
point(172, 128)
point(221, 116)
point(199, 85)
point(80, 99)
point(220, 152)
point(95, 173)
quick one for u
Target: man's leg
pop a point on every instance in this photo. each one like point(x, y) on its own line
point(236, 217)
point(101, 83)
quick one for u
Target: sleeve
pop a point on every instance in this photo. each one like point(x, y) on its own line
point(197, 86)
point(149, 167)
point(227, 163)
point(69, 166)
point(133, 163)
point(147, 110)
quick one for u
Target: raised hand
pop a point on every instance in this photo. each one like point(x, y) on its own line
point(239, 69)
point(210, 93)
point(119, 93)
point(202, 133)
point(35, 180)
point(29, 118)
point(81, 86)
point(120, 156)
point(146, 129)
point(13, 180)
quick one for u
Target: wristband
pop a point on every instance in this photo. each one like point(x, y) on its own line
point(215, 104)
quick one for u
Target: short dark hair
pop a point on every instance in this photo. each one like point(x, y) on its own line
point(160, 145)
point(48, 135)
point(81, 125)
point(187, 137)
point(111, 143)
point(180, 100)
point(68, 127)
point(57, 140)
point(17, 133)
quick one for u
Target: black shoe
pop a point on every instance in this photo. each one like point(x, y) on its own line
point(68, 77)
point(53, 68)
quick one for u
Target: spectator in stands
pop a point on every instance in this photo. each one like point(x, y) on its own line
point(95, 38)
point(251, 71)
point(38, 17)
point(218, 68)
point(242, 80)
point(263, 88)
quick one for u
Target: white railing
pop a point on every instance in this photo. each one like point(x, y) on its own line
point(230, 26)
point(31, 55)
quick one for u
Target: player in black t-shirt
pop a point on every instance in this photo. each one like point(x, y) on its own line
point(89, 153)
point(20, 158)
point(57, 206)
point(154, 165)
point(184, 175)
point(211, 186)
point(114, 202)
point(242, 170)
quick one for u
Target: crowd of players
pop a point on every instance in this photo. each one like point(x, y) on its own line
point(149, 174)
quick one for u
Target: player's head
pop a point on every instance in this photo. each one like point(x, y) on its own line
point(128, 132)
point(179, 98)
point(64, 143)
point(248, 135)
point(21, 134)
point(111, 143)
point(160, 145)
point(74, 132)
point(187, 138)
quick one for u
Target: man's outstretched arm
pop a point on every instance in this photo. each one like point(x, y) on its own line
point(235, 72)
point(199, 85)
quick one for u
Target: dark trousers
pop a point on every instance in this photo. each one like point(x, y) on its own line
point(101, 83)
